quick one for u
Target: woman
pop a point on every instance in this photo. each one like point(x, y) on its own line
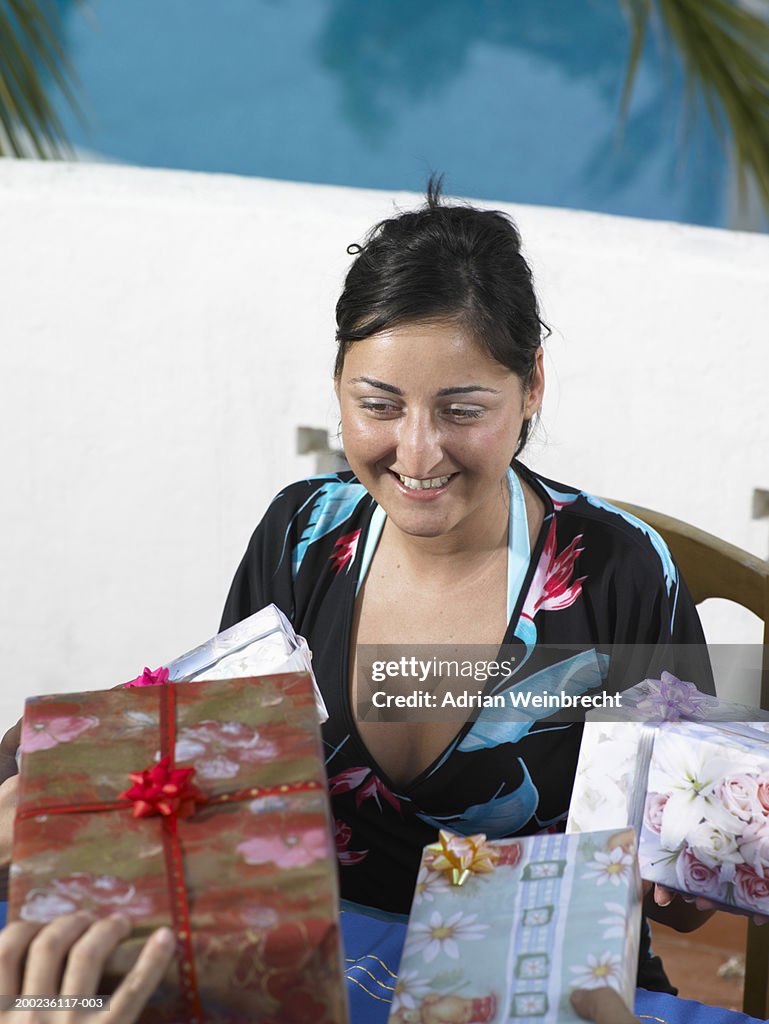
point(441, 536)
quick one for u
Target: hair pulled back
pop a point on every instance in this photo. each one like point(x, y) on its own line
point(445, 262)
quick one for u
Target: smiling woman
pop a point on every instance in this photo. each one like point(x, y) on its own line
point(432, 449)
point(441, 536)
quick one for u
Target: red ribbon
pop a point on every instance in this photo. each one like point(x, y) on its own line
point(168, 792)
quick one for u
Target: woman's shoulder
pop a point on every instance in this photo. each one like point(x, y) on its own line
point(327, 509)
point(318, 492)
point(618, 532)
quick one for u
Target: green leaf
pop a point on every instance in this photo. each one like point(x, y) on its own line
point(33, 65)
point(723, 46)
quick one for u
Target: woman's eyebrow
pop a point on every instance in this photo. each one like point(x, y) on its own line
point(466, 390)
point(376, 384)
point(443, 393)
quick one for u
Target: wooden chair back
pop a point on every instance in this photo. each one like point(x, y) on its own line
point(714, 568)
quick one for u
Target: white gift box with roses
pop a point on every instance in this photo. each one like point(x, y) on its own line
point(691, 775)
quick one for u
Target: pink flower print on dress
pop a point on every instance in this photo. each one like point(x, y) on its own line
point(553, 587)
point(293, 850)
point(352, 778)
point(344, 551)
point(343, 838)
point(101, 894)
point(47, 733)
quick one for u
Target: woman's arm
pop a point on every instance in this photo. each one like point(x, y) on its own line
point(8, 747)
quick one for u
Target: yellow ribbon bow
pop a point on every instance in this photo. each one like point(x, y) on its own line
point(460, 856)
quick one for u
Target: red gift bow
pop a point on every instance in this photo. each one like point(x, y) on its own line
point(161, 789)
point(164, 791)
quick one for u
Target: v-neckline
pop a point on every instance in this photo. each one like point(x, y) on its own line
point(525, 573)
point(518, 544)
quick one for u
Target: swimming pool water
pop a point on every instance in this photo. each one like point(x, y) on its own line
point(512, 99)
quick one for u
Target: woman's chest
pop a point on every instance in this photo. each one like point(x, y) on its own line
point(415, 626)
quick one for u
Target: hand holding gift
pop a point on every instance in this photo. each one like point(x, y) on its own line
point(602, 1006)
point(67, 957)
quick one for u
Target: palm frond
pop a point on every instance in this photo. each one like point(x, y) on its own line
point(32, 59)
point(724, 50)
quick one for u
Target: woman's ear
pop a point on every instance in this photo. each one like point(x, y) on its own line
point(532, 401)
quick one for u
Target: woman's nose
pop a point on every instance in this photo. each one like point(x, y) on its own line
point(420, 446)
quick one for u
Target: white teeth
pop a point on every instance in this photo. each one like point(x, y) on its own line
point(423, 485)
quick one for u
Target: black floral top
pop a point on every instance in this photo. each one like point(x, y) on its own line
point(598, 580)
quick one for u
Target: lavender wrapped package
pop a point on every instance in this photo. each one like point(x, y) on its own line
point(691, 774)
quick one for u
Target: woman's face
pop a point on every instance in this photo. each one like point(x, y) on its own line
point(430, 422)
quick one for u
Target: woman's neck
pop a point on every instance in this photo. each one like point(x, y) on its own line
point(478, 540)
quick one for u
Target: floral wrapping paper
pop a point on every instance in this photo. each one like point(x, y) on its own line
point(706, 814)
point(556, 913)
point(697, 790)
point(260, 873)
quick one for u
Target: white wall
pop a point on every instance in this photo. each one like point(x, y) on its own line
point(163, 334)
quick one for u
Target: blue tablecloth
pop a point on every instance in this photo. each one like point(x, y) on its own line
point(373, 947)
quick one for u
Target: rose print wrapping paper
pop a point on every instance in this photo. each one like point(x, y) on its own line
point(554, 913)
point(256, 861)
point(706, 814)
point(698, 791)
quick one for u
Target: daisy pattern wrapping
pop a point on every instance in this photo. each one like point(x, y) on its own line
point(696, 788)
point(512, 941)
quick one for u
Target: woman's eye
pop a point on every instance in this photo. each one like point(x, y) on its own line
point(464, 412)
point(379, 407)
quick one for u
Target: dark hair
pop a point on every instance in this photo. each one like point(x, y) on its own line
point(445, 262)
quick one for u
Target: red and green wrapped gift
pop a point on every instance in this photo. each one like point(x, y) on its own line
point(201, 806)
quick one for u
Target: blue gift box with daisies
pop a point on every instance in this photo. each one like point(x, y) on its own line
point(505, 930)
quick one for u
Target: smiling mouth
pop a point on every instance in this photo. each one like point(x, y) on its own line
point(431, 483)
